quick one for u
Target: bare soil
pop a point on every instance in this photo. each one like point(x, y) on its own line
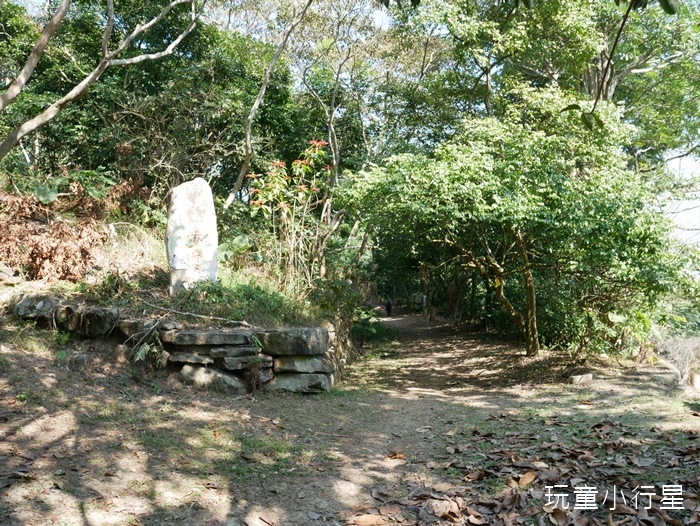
point(436, 427)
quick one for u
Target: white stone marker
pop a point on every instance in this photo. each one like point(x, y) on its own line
point(191, 237)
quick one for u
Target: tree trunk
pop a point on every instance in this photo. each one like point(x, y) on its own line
point(532, 338)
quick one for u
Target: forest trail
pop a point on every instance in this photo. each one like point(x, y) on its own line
point(421, 430)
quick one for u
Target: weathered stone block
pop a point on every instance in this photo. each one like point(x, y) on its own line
point(191, 236)
point(237, 364)
point(301, 364)
point(205, 378)
point(233, 352)
point(40, 308)
point(266, 375)
point(301, 383)
point(207, 337)
point(307, 341)
point(187, 357)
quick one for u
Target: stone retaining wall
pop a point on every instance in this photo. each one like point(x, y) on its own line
point(234, 359)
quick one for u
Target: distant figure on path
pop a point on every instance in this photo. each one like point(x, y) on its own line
point(388, 306)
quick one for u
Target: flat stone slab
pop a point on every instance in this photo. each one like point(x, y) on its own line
point(206, 378)
point(237, 364)
point(233, 352)
point(188, 357)
point(301, 383)
point(301, 364)
point(207, 337)
point(306, 341)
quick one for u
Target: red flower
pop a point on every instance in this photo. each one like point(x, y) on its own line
point(318, 144)
point(278, 164)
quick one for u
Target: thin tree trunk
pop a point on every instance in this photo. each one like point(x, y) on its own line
point(258, 100)
point(533, 344)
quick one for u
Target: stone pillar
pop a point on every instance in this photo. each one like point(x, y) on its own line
point(191, 237)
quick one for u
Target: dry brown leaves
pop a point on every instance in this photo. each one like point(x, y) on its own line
point(45, 248)
point(606, 476)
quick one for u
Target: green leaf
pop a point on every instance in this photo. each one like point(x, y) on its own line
point(588, 120)
point(571, 107)
point(669, 6)
point(45, 194)
point(598, 120)
point(528, 3)
point(142, 352)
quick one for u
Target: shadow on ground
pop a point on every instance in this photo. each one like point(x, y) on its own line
point(109, 444)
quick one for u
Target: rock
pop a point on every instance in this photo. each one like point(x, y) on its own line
point(95, 321)
point(7, 276)
point(301, 364)
point(78, 361)
point(331, 332)
point(191, 236)
point(581, 379)
point(207, 337)
point(66, 317)
point(122, 353)
point(237, 364)
point(669, 378)
point(40, 308)
point(308, 341)
point(266, 375)
point(233, 352)
point(301, 383)
point(169, 325)
point(190, 358)
point(205, 378)
point(135, 327)
point(694, 380)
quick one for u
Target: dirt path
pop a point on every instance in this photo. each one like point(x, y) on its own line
point(437, 427)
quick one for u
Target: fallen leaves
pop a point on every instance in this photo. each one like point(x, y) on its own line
point(596, 475)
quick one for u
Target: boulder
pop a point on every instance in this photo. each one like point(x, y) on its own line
point(301, 383)
point(207, 337)
point(301, 364)
point(205, 378)
point(191, 237)
point(307, 341)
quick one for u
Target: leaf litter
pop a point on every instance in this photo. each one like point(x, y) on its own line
point(547, 482)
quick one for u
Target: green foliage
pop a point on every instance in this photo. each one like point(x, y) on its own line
point(240, 296)
point(590, 226)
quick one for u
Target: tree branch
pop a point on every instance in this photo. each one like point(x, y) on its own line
point(258, 100)
point(49, 29)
